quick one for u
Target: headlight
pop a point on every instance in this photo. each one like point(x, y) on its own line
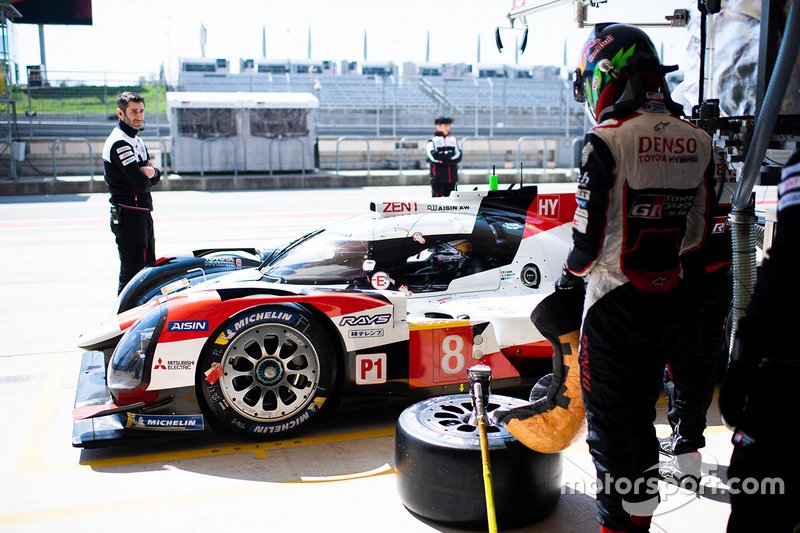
point(128, 369)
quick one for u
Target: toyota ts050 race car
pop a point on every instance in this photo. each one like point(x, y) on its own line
point(399, 301)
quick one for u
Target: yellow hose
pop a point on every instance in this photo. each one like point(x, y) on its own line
point(480, 414)
point(487, 475)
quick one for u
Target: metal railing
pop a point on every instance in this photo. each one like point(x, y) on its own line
point(284, 139)
point(487, 140)
point(207, 140)
point(401, 148)
point(543, 141)
point(57, 142)
point(353, 138)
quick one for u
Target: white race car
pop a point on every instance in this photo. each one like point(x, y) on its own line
point(399, 301)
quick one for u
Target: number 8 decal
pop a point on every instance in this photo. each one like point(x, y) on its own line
point(453, 359)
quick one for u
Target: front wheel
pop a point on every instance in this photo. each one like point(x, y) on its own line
point(267, 371)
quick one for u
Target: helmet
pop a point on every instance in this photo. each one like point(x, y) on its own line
point(443, 119)
point(618, 67)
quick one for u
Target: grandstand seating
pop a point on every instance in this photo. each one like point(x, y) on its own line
point(371, 92)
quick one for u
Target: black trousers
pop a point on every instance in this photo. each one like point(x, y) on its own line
point(135, 241)
point(625, 339)
point(764, 477)
point(442, 188)
point(694, 362)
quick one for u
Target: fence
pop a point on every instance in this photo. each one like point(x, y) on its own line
point(82, 104)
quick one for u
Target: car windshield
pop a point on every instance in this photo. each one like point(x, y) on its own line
point(329, 257)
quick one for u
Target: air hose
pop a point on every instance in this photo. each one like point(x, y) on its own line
point(743, 218)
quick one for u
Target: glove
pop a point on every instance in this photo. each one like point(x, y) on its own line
point(568, 281)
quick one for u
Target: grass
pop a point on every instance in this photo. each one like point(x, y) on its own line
point(85, 99)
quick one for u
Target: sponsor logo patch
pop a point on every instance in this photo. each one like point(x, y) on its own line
point(225, 261)
point(173, 364)
point(370, 368)
point(365, 333)
point(721, 225)
point(788, 184)
point(400, 207)
point(506, 275)
point(188, 325)
point(667, 150)
point(126, 162)
point(579, 223)
point(433, 208)
point(587, 151)
point(165, 422)
point(365, 320)
point(548, 206)
point(657, 206)
point(279, 316)
point(290, 424)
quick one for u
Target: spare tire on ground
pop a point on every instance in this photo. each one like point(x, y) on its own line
point(439, 467)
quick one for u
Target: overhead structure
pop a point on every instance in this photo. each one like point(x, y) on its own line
point(521, 9)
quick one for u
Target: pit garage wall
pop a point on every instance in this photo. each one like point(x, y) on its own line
point(734, 34)
point(243, 152)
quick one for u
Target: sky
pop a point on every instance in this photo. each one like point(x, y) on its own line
point(138, 36)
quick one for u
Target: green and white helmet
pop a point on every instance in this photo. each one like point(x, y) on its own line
point(612, 53)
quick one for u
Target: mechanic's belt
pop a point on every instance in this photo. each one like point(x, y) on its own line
point(132, 208)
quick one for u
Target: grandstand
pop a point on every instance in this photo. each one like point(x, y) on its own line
point(525, 98)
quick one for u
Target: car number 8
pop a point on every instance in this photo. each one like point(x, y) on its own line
point(453, 358)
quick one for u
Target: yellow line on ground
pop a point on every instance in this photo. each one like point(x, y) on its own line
point(259, 449)
point(41, 423)
point(382, 470)
point(112, 506)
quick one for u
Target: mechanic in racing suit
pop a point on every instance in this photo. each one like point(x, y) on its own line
point(130, 175)
point(693, 364)
point(444, 154)
point(759, 393)
point(642, 199)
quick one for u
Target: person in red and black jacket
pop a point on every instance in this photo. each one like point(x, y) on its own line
point(444, 154)
point(645, 178)
point(130, 175)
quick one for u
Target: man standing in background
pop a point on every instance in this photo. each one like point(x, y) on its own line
point(130, 175)
point(444, 154)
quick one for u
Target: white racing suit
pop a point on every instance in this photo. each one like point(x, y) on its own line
point(643, 197)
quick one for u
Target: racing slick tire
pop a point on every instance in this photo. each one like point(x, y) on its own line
point(439, 466)
point(267, 371)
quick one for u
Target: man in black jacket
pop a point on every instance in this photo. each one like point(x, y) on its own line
point(444, 154)
point(759, 394)
point(130, 175)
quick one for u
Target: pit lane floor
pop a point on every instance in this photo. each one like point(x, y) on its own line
point(58, 276)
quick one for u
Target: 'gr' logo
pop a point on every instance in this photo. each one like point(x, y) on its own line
point(648, 206)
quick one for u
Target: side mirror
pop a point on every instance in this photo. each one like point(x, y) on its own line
point(497, 40)
point(368, 265)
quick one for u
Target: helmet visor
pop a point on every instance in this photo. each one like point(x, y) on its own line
point(578, 91)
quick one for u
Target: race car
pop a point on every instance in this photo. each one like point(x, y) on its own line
point(397, 302)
